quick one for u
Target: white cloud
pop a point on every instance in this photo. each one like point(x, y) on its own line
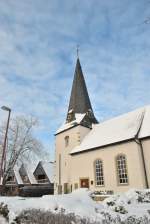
point(37, 57)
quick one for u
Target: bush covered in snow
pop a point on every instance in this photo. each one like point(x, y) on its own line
point(130, 197)
point(143, 196)
point(37, 216)
point(120, 209)
point(4, 211)
point(108, 219)
point(133, 203)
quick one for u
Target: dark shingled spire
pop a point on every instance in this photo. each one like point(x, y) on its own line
point(79, 100)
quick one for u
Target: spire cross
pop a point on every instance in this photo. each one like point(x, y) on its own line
point(77, 50)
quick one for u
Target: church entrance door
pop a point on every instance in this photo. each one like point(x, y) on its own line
point(84, 182)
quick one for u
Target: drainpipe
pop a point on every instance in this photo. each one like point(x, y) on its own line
point(138, 141)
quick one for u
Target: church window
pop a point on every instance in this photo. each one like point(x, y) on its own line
point(99, 174)
point(122, 169)
point(66, 141)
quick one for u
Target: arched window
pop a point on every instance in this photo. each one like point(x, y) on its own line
point(122, 169)
point(99, 174)
point(66, 141)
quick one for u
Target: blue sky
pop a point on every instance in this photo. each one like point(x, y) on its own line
point(38, 41)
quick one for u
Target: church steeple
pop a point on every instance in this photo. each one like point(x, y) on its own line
point(79, 99)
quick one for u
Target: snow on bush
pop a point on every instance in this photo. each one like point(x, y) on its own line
point(130, 197)
point(4, 212)
point(133, 202)
point(37, 216)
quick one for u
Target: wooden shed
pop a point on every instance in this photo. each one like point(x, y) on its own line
point(42, 181)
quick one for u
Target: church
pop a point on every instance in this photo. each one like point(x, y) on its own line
point(113, 155)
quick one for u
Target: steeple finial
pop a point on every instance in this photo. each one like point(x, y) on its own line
point(77, 50)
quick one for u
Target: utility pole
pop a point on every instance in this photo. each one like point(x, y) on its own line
point(3, 159)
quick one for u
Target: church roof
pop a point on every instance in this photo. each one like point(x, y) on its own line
point(118, 129)
point(79, 100)
point(80, 110)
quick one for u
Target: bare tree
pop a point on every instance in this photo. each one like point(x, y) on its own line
point(21, 143)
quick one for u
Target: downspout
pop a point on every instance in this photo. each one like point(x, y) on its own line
point(138, 141)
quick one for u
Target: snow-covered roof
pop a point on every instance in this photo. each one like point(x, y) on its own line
point(65, 126)
point(17, 175)
point(30, 175)
point(27, 169)
point(49, 169)
point(118, 129)
point(145, 129)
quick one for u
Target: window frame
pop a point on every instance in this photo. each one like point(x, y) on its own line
point(101, 173)
point(123, 171)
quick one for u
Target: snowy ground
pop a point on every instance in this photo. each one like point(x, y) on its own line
point(132, 203)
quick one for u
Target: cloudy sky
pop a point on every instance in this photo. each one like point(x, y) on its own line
point(38, 41)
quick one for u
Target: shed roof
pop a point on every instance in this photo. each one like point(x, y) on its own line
point(28, 170)
point(48, 168)
point(17, 175)
point(118, 129)
point(30, 175)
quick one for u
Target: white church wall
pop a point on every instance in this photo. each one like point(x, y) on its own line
point(82, 165)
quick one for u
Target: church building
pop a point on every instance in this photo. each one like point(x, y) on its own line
point(113, 155)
